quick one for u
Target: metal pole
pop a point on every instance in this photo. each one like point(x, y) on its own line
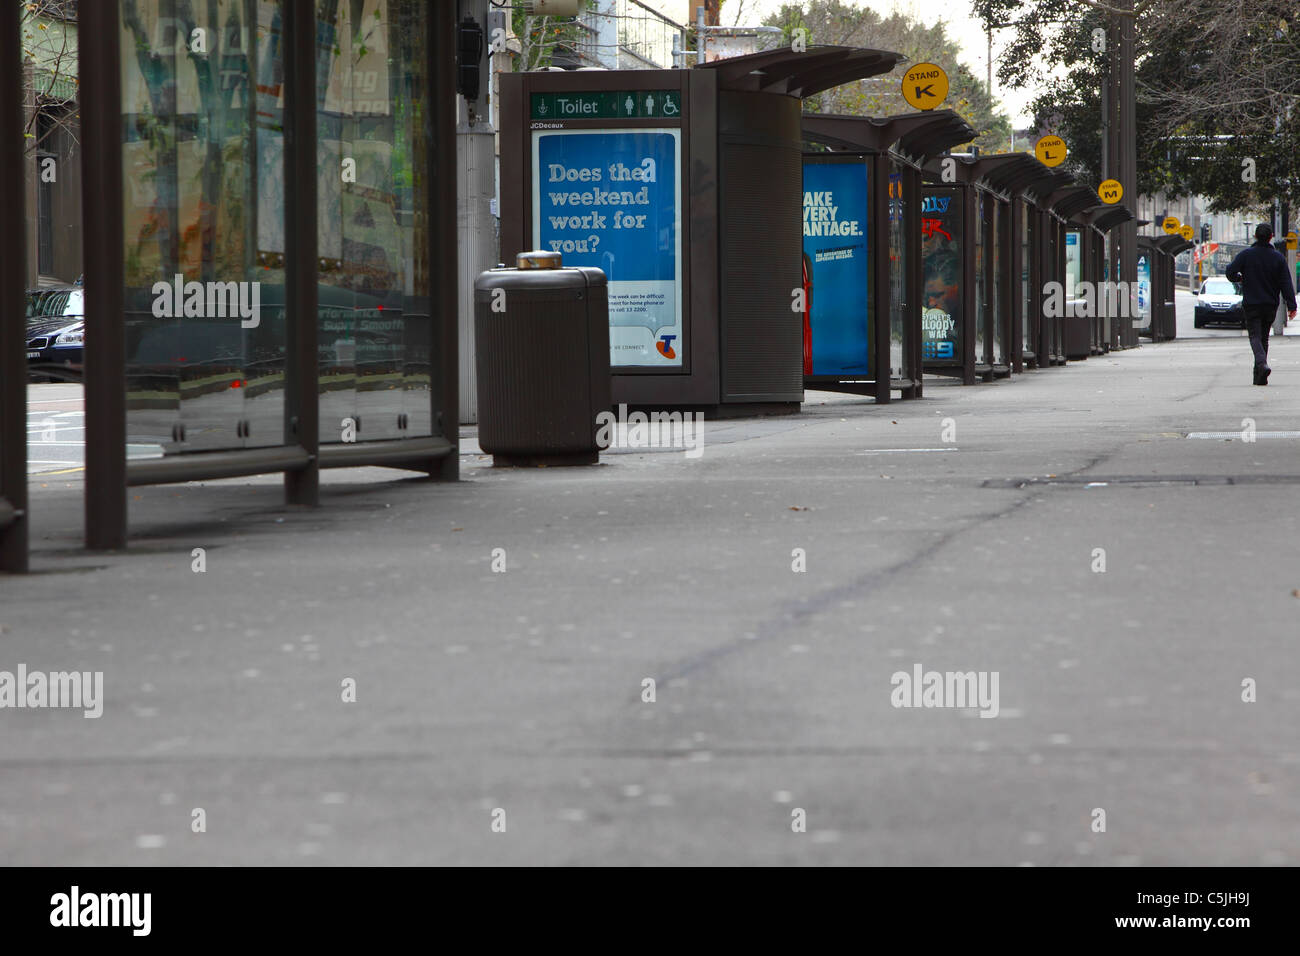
point(98, 64)
point(699, 34)
point(445, 391)
point(476, 187)
point(302, 401)
point(13, 323)
point(988, 60)
point(1128, 153)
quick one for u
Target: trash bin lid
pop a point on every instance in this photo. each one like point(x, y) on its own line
point(538, 259)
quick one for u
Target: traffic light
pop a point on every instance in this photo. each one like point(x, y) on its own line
point(469, 55)
point(1205, 232)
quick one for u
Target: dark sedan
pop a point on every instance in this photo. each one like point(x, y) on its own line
point(56, 333)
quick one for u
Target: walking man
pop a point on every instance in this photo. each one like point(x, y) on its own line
point(1264, 277)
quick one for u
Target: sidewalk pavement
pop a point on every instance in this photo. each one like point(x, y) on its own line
point(517, 696)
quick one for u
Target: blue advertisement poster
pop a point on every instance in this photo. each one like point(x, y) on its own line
point(835, 268)
point(609, 199)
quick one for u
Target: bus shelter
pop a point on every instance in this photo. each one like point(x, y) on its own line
point(1156, 256)
point(685, 188)
point(1007, 178)
point(988, 235)
point(270, 259)
point(862, 329)
point(1093, 225)
point(1077, 299)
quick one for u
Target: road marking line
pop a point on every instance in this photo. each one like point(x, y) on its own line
point(1220, 435)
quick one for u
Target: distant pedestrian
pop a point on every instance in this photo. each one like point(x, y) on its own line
point(1264, 276)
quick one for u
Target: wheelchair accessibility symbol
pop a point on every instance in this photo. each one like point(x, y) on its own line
point(670, 107)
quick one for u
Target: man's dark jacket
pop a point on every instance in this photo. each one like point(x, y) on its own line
point(1263, 275)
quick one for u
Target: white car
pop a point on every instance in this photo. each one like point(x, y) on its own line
point(1218, 302)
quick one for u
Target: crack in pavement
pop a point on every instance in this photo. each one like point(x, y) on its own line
point(792, 614)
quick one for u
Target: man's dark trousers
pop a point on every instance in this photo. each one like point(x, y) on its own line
point(1259, 319)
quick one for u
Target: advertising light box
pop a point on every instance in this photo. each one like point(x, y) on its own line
point(836, 269)
point(609, 199)
point(941, 318)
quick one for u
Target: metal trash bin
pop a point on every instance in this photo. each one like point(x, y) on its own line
point(542, 356)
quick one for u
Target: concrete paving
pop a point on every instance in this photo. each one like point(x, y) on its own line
point(517, 696)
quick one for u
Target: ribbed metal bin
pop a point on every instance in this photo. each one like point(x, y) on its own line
point(542, 356)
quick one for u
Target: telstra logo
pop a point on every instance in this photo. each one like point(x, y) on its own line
point(665, 346)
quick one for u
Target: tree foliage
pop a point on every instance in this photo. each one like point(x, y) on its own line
point(834, 23)
point(49, 71)
point(1216, 84)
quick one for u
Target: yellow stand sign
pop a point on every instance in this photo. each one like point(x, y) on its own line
point(1051, 150)
point(925, 86)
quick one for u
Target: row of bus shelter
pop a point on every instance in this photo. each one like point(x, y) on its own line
point(685, 187)
point(914, 260)
point(973, 245)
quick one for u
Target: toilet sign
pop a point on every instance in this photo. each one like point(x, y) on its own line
point(1050, 150)
point(925, 86)
point(1110, 191)
point(1170, 225)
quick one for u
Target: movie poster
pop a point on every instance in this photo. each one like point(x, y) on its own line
point(941, 318)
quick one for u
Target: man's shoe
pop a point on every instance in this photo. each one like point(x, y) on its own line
point(1257, 377)
point(1264, 374)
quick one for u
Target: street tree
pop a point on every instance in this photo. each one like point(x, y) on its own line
point(834, 23)
point(49, 72)
point(1216, 85)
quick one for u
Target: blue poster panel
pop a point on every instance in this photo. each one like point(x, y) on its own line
point(609, 199)
point(941, 315)
point(836, 268)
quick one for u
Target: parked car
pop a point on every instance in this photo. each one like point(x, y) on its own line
point(56, 333)
point(1218, 302)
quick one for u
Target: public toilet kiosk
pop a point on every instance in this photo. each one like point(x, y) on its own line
point(685, 187)
point(863, 221)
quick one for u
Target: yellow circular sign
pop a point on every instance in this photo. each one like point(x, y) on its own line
point(1111, 191)
point(925, 86)
point(1050, 150)
point(1171, 224)
point(1291, 240)
point(1186, 232)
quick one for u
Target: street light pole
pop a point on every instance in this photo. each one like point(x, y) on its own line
point(1128, 149)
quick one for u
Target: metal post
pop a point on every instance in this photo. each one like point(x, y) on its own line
point(13, 269)
point(879, 166)
point(699, 35)
point(444, 394)
point(102, 242)
point(1128, 153)
point(968, 318)
point(302, 403)
point(476, 187)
